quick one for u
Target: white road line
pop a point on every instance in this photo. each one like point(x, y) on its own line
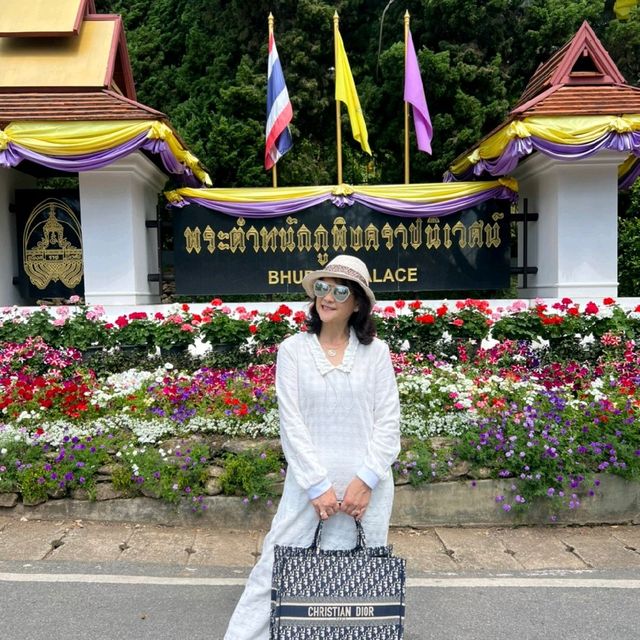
point(439, 583)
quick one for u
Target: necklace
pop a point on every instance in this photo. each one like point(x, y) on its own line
point(332, 352)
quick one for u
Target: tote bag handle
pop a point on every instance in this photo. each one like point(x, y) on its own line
point(361, 543)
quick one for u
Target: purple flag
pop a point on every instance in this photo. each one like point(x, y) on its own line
point(414, 95)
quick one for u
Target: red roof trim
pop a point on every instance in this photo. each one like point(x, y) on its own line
point(84, 8)
point(118, 55)
point(586, 40)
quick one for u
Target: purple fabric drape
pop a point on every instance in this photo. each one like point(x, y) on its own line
point(400, 208)
point(404, 209)
point(257, 209)
point(14, 154)
point(630, 177)
point(626, 142)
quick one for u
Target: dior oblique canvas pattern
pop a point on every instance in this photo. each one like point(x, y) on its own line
point(337, 595)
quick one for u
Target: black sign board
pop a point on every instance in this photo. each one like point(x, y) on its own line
point(216, 253)
point(49, 241)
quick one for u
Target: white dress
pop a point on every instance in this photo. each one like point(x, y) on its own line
point(336, 422)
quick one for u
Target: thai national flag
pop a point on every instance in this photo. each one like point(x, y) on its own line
point(279, 111)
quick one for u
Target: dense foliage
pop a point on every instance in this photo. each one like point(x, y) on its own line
point(203, 63)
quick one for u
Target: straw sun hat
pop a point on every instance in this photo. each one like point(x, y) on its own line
point(343, 267)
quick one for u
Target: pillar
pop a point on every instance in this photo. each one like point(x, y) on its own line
point(574, 243)
point(118, 250)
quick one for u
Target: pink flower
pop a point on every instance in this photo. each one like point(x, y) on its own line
point(74, 299)
point(458, 322)
point(188, 327)
point(63, 312)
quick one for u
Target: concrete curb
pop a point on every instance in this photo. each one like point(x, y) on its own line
point(617, 501)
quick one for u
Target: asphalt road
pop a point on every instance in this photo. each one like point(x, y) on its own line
point(41, 601)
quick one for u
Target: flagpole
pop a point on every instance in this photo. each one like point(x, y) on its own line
point(274, 171)
point(406, 104)
point(338, 128)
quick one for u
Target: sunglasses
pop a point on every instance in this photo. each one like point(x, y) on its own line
point(340, 291)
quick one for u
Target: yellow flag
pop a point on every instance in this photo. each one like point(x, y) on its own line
point(623, 8)
point(346, 92)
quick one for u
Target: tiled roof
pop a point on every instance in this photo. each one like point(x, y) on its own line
point(584, 100)
point(62, 106)
point(562, 74)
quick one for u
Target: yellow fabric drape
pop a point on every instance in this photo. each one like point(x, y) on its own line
point(266, 194)
point(73, 138)
point(80, 138)
point(559, 129)
point(437, 192)
point(346, 92)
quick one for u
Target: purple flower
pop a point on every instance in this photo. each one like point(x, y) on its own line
point(506, 507)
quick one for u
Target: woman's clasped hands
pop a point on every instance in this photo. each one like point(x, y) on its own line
point(354, 503)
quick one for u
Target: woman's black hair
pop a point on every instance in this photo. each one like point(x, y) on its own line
point(361, 320)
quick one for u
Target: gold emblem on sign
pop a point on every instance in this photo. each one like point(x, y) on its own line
point(52, 246)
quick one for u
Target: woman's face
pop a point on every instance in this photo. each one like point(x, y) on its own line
point(332, 311)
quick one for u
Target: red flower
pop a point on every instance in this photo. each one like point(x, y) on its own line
point(591, 308)
point(566, 301)
point(416, 304)
point(637, 309)
point(159, 316)
point(216, 302)
point(399, 304)
point(608, 301)
point(253, 328)
point(283, 310)
point(573, 311)
point(426, 318)
point(442, 310)
point(185, 307)
point(122, 321)
point(458, 322)
point(138, 315)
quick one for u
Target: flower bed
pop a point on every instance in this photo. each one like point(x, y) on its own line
point(549, 421)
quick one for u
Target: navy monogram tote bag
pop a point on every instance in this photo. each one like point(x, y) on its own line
point(356, 594)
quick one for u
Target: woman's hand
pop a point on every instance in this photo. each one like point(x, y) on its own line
point(326, 505)
point(356, 499)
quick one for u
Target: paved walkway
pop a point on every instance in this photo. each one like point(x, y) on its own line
point(432, 550)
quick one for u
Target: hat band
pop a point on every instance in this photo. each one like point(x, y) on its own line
point(352, 273)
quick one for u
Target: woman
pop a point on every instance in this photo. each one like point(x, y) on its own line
point(339, 424)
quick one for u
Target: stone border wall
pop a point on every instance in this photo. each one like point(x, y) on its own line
point(617, 501)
